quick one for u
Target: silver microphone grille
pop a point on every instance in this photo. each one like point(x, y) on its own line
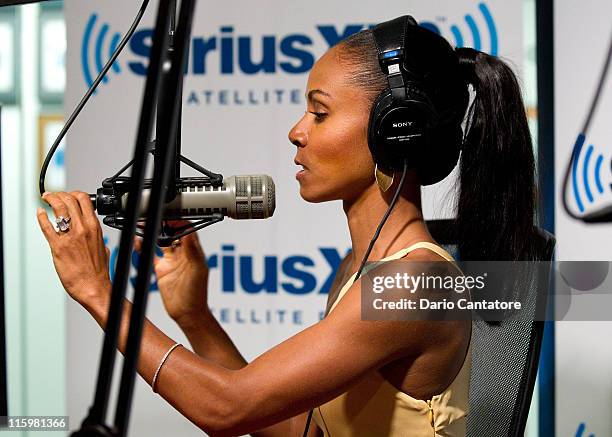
point(240, 197)
point(255, 196)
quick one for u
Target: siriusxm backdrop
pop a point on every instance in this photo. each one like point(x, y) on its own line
point(583, 353)
point(244, 89)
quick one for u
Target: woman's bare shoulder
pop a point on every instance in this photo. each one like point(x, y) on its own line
point(339, 279)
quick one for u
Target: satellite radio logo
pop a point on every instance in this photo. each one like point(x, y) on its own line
point(94, 44)
point(474, 31)
point(238, 273)
point(228, 52)
point(580, 431)
point(585, 171)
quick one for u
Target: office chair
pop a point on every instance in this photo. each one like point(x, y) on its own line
point(505, 354)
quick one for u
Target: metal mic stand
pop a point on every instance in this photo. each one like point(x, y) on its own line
point(162, 122)
point(3, 369)
point(167, 90)
point(165, 161)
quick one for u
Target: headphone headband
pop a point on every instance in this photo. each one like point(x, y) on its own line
point(390, 40)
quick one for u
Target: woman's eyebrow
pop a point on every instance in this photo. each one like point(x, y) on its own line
point(314, 92)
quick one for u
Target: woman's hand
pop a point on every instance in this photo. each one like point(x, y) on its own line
point(79, 255)
point(182, 278)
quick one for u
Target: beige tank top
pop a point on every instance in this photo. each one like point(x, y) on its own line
point(375, 408)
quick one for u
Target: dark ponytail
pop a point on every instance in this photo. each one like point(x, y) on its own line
point(496, 205)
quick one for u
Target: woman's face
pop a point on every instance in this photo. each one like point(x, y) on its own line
point(331, 136)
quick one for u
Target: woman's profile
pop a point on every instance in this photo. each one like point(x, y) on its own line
point(357, 377)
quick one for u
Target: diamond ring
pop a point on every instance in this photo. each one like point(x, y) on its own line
point(63, 223)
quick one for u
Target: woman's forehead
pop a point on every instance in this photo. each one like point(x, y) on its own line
point(329, 75)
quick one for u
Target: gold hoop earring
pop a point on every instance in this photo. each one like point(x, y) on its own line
point(384, 179)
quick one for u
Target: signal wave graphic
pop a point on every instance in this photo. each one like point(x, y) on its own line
point(97, 47)
point(584, 173)
point(473, 29)
point(581, 429)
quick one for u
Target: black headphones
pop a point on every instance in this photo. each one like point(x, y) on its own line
point(403, 122)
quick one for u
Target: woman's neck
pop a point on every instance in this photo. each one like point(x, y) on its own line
point(404, 226)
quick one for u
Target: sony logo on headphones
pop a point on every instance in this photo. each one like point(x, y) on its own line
point(403, 124)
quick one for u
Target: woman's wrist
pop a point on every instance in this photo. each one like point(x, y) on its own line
point(97, 302)
point(195, 322)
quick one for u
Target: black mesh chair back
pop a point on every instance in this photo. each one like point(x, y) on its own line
point(505, 354)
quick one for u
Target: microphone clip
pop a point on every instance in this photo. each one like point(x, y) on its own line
point(108, 201)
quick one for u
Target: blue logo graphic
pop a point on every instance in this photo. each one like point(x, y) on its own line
point(580, 431)
point(228, 51)
point(293, 275)
point(586, 173)
point(473, 30)
point(97, 46)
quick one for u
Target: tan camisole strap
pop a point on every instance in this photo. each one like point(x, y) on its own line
point(397, 255)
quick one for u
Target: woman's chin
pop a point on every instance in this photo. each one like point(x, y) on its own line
point(312, 196)
point(309, 197)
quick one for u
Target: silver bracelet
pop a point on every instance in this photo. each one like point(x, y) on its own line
point(161, 363)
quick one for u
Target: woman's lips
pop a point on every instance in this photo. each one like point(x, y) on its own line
point(300, 174)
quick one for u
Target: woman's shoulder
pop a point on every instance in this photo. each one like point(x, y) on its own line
point(341, 277)
point(432, 256)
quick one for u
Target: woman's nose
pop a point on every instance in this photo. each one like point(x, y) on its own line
point(297, 135)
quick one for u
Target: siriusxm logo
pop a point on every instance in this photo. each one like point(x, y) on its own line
point(580, 431)
point(293, 275)
point(477, 42)
point(591, 170)
point(228, 52)
point(100, 58)
point(291, 53)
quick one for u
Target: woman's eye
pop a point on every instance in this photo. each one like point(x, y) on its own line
point(319, 116)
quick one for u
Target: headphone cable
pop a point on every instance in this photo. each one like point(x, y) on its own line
point(384, 219)
point(367, 254)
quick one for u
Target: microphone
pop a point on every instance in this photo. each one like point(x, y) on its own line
point(238, 197)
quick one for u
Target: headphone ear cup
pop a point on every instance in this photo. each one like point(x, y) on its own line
point(381, 103)
point(400, 131)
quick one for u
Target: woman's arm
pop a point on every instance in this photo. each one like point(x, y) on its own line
point(182, 278)
point(182, 394)
point(209, 340)
point(303, 372)
point(291, 378)
point(182, 274)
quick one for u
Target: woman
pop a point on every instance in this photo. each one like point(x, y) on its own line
point(361, 378)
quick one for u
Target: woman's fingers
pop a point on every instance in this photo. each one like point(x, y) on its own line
point(138, 249)
point(45, 225)
point(86, 205)
point(137, 244)
point(74, 209)
point(178, 223)
point(60, 209)
point(79, 254)
point(65, 205)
